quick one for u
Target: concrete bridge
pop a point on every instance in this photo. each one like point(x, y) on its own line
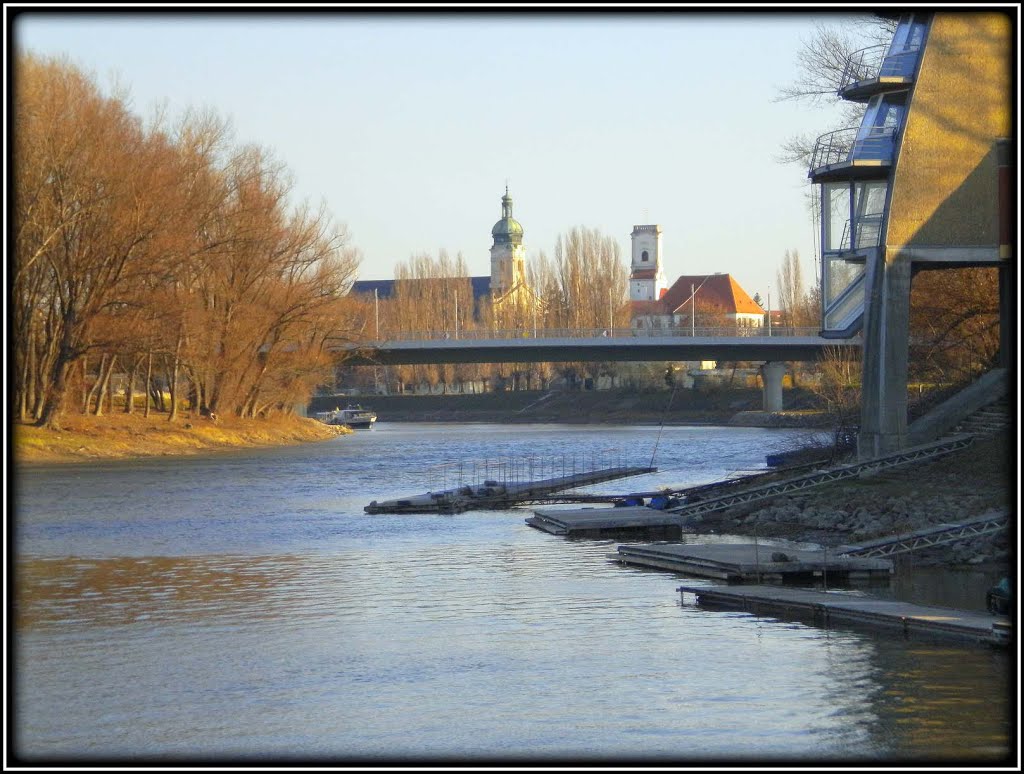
point(772, 347)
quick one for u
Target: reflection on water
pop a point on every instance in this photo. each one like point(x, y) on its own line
point(268, 618)
point(169, 589)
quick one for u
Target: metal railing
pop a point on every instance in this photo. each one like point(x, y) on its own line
point(843, 145)
point(597, 334)
point(874, 62)
point(862, 65)
point(869, 229)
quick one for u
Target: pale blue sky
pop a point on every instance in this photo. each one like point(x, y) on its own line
point(408, 125)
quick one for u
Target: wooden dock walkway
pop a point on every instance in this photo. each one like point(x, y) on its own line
point(741, 562)
point(495, 495)
point(826, 608)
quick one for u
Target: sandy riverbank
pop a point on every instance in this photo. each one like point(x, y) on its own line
point(122, 436)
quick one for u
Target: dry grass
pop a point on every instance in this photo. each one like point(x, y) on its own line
point(118, 435)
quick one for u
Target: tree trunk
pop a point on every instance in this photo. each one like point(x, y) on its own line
point(129, 387)
point(96, 385)
point(149, 380)
point(174, 380)
point(53, 404)
point(110, 385)
point(103, 383)
point(172, 377)
point(85, 384)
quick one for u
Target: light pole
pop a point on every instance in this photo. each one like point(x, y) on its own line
point(693, 313)
point(376, 313)
point(456, 314)
point(769, 310)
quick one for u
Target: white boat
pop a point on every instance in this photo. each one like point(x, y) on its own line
point(354, 417)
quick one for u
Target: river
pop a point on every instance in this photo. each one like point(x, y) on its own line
point(242, 607)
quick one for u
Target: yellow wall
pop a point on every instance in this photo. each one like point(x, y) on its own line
point(944, 190)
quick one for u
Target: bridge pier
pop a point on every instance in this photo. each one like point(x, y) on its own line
point(771, 385)
point(883, 424)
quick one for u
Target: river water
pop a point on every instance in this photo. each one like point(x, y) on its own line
point(243, 607)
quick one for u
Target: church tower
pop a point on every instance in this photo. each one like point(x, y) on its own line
point(646, 280)
point(508, 256)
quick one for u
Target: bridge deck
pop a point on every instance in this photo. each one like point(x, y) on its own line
point(630, 348)
point(825, 608)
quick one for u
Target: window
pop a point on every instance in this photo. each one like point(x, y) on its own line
point(643, 256)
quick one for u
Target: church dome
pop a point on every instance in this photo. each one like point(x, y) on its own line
point(508, 230)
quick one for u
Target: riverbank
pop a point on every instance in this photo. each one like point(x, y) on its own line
point(719, 406)
point(899, 500)
point(121, 436)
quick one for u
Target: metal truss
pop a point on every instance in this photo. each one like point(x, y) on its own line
point(929, 536)
point(904, 457)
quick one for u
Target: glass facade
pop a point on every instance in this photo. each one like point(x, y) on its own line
point(901, 57)
point(853, 210)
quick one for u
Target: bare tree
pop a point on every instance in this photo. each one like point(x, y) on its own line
point(821, 62)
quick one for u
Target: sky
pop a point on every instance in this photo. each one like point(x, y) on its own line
point(407, 126)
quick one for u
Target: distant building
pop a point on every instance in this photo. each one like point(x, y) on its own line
point(646, 278)
point(717, 300)
point(507, 281)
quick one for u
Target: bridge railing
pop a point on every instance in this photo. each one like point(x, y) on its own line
point(602, 333)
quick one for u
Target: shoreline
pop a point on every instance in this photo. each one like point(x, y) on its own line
point(121, 436)
point(946, 490)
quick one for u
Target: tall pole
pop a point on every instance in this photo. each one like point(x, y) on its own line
point(456, 314)
point(769, 310)
point(534, 314)
point(611, 325)
point(376, 313)
point(693, 313)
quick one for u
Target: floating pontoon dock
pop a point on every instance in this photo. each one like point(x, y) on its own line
point(494, 495)
point(738, 562)
point(607, 522)
point(694, 503)
point(825, 608)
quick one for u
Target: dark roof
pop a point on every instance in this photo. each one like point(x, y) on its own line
point(386, 288)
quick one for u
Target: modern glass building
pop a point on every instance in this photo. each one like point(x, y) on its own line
point(853, 167)
point(921, 183)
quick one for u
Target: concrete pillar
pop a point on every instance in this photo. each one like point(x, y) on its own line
point(1007, 286)
point(886, 333)
point(1008, 312)
point(771, 385)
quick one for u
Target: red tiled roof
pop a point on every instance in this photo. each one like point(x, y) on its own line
point(643, 274)
point(714, 290)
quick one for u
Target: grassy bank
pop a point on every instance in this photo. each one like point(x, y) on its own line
point(120, 436)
